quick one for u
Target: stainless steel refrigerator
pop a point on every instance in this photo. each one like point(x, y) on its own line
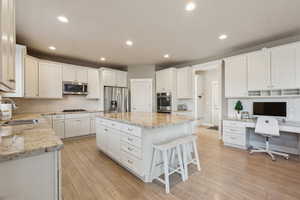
point(115, 99)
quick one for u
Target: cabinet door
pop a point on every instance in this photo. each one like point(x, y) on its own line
point(93, 84)
point(101, 133)
point(121, 79)
point(236, 76)
point(31, 77)
point(50, 80)
point(92, 125)
point(259, 70)
point(109, 77)
point(298, 65)
point(69, 73)
point(59, 128)
point(184, 83)
point(114, 143)
point(159, 81)
point(82, 75)
point(283, 62)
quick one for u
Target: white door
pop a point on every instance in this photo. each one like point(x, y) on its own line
point(141, 95)
point(215, 112)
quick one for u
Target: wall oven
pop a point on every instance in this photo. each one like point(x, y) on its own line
point(75, 88)
point(164, 102)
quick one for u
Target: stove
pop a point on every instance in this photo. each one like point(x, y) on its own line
point(74, 110)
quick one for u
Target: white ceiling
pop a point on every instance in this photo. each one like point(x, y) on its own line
point(99, 28)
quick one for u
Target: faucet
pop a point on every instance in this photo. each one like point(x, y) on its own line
point(12, 102)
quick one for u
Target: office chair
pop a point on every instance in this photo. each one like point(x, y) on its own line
point(268, 127)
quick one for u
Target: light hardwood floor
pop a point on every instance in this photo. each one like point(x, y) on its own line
point(226, 173)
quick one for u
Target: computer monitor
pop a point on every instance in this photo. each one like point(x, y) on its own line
point(275, 109)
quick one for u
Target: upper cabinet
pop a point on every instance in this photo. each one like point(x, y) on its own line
point(93, 84)
point(236, 76)
point(31, 77)
point(283, 66)
point(114, 78)
point(184, 83)
point(297, 46)
point(50, 80)
point(7, 45)
point(259, 70)
point(166, 80)
point(75, 74)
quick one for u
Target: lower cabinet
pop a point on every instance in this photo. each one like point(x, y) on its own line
point(59, 127)
point(234, 134)
point(77, 127)
point(92, 125)
point(121, 143)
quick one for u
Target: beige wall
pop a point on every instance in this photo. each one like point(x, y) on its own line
point(54, 105)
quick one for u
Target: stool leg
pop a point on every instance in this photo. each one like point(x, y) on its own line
point(185, 161)
point(153, 163)
point(196, 155)
point(166, 169)
point(180, 162)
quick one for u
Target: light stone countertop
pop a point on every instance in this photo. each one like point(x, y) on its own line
point(147, 120)
point(38, 138)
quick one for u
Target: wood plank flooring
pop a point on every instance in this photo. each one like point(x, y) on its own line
point(227, 173)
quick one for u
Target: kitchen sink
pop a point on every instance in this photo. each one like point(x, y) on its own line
point(20, 122)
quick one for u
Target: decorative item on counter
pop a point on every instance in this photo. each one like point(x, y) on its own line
point(238, 107)
point(6, 111)
point(245, 115)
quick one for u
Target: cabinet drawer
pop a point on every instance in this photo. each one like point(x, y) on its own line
point(233, 124)
point(132, 130)
point(112, 124)
point(76, 116)
point(235, 130)
point(132, 163)
point(234, 139)
point(58, 116)
point(135, 151)
point(135, 141)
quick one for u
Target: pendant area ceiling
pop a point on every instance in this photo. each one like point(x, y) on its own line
point(100, 28)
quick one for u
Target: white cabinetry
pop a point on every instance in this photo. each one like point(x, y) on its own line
point(298, 65)
point(58, 125)
point(75, 74)
point(184, 83)
point(7, 45)
point(166, 80)
point(31, 77)
point(77, 125)
point(283, 64)
point(93, 84)
point(259, 70)
point(236, 76)
point(50, 80)
point(234, 134)
point(112, 77)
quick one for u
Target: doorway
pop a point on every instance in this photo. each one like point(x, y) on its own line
point(141, 95)
point(215, 104)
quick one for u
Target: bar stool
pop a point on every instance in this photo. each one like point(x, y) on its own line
point(186, 151)
point(172, 147)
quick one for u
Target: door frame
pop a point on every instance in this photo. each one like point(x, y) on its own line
point(150, 80)
point(205, 66)
point(212, 102)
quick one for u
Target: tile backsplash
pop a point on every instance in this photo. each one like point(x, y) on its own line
point(293, 106)
point(55, 105)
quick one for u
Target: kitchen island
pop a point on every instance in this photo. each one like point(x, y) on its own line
point(30, 160)
point(128, 137)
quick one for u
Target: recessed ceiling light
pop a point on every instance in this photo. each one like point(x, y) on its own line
point(103, 59)
point(52, 48)
point(223, 37)
point(190, 6)
point(63, 19)
point(166, 56)
point(129, 43)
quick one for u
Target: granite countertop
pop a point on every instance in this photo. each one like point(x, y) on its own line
point(33, 139)
point(62, 113)
point(147, 120)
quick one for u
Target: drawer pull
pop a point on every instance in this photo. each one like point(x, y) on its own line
point(130, 129)
point(105, 129)
point(130, 139)
point(130, 149)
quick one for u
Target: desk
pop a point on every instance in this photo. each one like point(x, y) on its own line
point(240, 134)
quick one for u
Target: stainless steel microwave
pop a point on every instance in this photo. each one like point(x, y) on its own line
point(75, 88)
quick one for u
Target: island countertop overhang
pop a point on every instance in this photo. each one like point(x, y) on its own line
point(146, 119)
